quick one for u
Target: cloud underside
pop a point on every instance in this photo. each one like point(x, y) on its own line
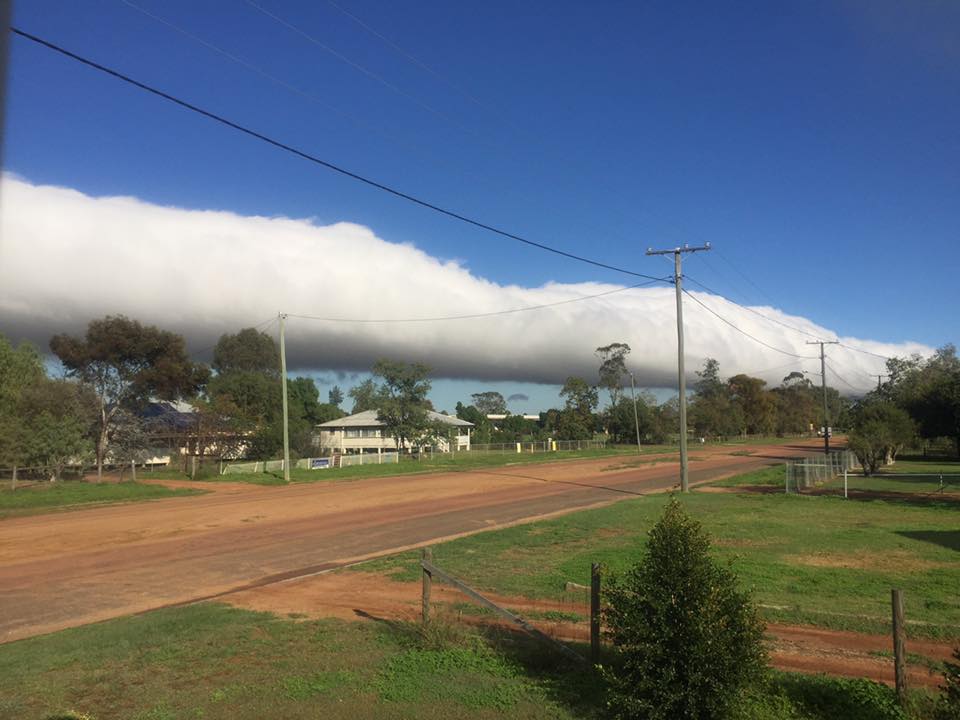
point(66, 257)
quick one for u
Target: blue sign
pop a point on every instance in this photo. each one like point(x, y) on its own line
point(319, 463)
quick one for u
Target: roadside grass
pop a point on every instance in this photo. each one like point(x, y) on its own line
point(886, 479)
point(772, 476)
point(454, 462)
point(214, 662)
point(821, 561)
point(440, 462)
point(66, 494)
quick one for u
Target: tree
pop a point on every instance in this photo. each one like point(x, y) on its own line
point(20, 369)
point(490, 403)
point(689, 641)
point(125, 363)
point(756, 406)
point(576, 421)
point(930, 392)
point(402, 399)
point(712, 411)
point(481, 426)
point(335, 396)
point(364, 396)
point(879, 430)
point(55, 418)
point(247, 351)
point(613, 367)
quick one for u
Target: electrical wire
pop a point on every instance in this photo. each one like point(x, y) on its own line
point(472, 315)
point(409, 56)
point(750, 309)
point(360, 68)
point(318, 161)
point(841, 378)
point(354, 119)
point(744, 332)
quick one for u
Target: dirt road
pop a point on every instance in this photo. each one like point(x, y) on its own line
point(65, 569)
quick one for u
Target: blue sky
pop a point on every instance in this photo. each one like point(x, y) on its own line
point(816, 145)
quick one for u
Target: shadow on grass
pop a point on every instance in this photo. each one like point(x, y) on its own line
point(949, 539)
point(577, 687)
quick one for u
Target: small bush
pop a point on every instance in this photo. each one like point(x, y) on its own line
point(847, 698)
point(949, 706)
point(689, 644)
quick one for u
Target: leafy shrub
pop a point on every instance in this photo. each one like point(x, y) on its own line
point(848, 698)
point(949, 705)
point(688, 643)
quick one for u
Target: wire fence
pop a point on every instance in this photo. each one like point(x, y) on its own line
point(533, 447)
point(805, 473)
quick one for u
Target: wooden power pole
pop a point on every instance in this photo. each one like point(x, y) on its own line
point(823, 383)
point(283, 381)
point(677, 282)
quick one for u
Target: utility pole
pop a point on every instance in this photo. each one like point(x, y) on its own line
point(636, 420)
point(677, 282)
point(283, 381)
point(823, 382)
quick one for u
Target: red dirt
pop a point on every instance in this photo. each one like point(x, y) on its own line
point(355, 595)
point(65, 569)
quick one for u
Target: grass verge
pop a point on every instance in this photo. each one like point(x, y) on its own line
point(214, 662)
point(821, 561)
point(44, 497)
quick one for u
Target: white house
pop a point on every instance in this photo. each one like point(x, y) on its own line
point(363, 433)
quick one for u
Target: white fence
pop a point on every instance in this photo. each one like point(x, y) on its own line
point(367, 459)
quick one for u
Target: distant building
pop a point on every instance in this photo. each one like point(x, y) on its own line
point(363, 433)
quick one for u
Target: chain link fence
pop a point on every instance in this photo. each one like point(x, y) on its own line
point(808, 472)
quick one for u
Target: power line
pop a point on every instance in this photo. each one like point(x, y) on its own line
point(268, 76)
point(744, 332)
point(408, 56)
point(842, 379)
point(318, 161)
point(472, 315)
point(360, 68)
point(755, 312)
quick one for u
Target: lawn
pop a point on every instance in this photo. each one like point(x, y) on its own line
point(214, 662)
point(47, 496)
point(930, 475)
point(821, 560)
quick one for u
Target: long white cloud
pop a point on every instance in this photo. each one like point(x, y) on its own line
point(66, 257)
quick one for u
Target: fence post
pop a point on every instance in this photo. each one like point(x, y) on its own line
point(595, 613)
point(844, 482)
point(133, 470)
point(426, 554)
point(786, 478)
point(13, 479)
point(899, 653)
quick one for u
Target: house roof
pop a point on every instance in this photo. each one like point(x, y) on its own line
point(368, 418)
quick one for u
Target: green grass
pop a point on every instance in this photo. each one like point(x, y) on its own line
point(441, 462)
point(214, 662)
point(773, 476)
point(211, 661)
point(44, 497)
point(822, 561)
point(887, 480)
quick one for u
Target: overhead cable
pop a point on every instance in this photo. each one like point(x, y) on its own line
point(744, 332)
point(318, 161)
point(470, 316)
